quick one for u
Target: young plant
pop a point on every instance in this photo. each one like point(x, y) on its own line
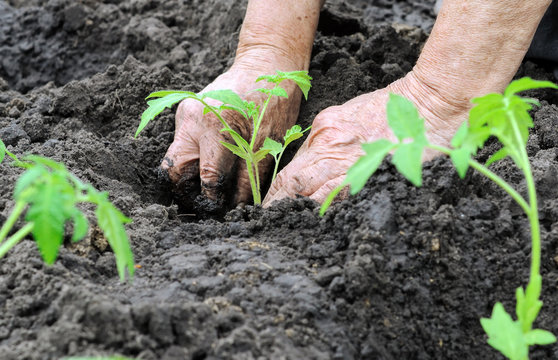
point(276, 149)
point(48, 194)
point(229, 100)
point(506, 117)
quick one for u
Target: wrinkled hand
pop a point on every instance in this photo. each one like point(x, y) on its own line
point(196, 153)
point(338, 132)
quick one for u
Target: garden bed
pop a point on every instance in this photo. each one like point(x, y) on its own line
point(396, 272)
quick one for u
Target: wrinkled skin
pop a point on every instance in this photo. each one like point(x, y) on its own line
point(338, 132)
point(196, 153)
point(475, 47)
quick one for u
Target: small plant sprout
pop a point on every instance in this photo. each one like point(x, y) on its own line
point(506, 117)
point(229, 100)
point(48, 194)
point(276, 149)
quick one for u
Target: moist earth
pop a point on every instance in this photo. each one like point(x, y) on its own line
point(396, 272)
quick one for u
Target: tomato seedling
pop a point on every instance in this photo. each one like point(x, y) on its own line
point(504, 116)
point(248, 109)
point(50, 193)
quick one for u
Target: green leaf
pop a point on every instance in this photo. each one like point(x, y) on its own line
point(403, 118)
point(460, 135)
point(81, 224)
point(27, 179)
point(497, 156)
point(2, 151)
point(239, 140)
point(163, 93)
point(276, 91)
point(408, 161)
point(46, 212)
point(460, 158)
point(366, 165)
point(527, 83)
point(228, 107)
point(155, 107)
point(235, 150)
point(49, 163)
point(275, 148)
point(227, 97)
point(259, 155)
point(505, 335)
point(293, 134)
point(539, 337)
point(327, 202)
point(112, 221)
point(301, 78)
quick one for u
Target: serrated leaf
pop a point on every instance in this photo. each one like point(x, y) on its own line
point(230, 107)
point(366, 165)
point(235, 150)
point(276, 91)
point(527, 83)
point(112, 221)
point(504, 334)
point(81, 225)
point(407, 158)
point(163, 93)
point(155, 107)
point(539, 337)
point(259, 155)
point(48, 218)
point(226, 96)
point(239, 140)
point(275, 148)
point(497, 156)
point(460, 158)
point(403, 118)
point(293, 134)
point(301, 78)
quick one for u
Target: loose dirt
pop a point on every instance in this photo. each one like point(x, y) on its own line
point(395, 272)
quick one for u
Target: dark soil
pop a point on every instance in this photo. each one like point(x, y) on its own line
point(396, 272)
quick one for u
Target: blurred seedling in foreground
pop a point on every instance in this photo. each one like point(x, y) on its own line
point(48, 194)
point(506, 117)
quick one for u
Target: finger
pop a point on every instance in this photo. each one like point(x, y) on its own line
point(180, 161)
point(216, 165)
point(322, 193)
point(182, 157)
point(304, 176)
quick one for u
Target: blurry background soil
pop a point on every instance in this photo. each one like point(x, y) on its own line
point(393, 273)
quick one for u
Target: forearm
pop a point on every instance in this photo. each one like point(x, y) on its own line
point(279, 32)
point(476, 47)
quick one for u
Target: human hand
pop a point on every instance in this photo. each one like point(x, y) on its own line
point(334, 143)
point(196, 155)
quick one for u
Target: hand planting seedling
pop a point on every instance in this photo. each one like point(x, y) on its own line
point(50, 193)
point(248, 109)
point(506, 117)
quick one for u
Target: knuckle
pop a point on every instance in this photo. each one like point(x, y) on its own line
point(209, 173)
point(187, 110)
